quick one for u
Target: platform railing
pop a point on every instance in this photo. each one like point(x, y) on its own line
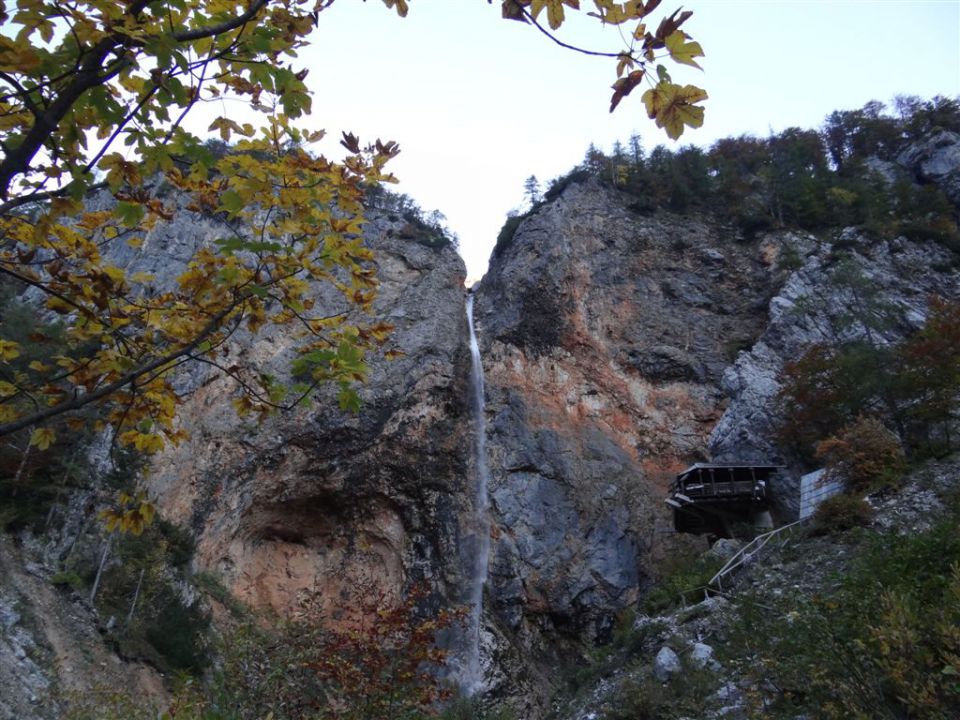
point(752, 552)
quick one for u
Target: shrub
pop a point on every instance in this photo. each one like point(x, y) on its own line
point(379, 662)
point(884, 644)
point(687, 694)
point(139, 590)
point(682, 575)
point(472, 709)
point(107, 703)
point(68, 579)
point(577, 175)
point(841, 512)
point(865, 454)
point(823, 391)
point(505, 236)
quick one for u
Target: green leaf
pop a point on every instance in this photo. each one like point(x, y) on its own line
point(130, 214)
point(231, 202)
point(682, 51)
point(349, 400)
point(262, 246)
point(228, 246)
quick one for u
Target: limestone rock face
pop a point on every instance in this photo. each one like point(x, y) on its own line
point(620, 347)
point(604, 336)
point(936, 159)
point(328, 499)
point(830, 298)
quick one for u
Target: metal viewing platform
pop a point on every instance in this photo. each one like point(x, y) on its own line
point(710, 498)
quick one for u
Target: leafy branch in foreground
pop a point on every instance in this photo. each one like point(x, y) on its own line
point(670, 105)
point(97, 88)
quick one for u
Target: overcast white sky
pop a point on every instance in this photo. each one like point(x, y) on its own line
point(478, 103)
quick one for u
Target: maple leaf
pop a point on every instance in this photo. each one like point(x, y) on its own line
point(670, 25)
point(9, 350)
point(512, 10)
point(623, 87)
point(672, 106)
point(43, 438)
point(682, 51)
point(623, 62)
point(555, 15)
point(400, 5)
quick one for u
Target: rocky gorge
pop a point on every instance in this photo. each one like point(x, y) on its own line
point(618, 346)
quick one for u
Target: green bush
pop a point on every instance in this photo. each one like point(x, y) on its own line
point(472, 709)
point(644, 698)
point(681, 577)
point(884, 644)
point(68, 579)
point(163, 630)
point(839, 513)
point(577, 175)
point(505, 236)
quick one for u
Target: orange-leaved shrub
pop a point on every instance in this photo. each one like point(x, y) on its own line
point(378, 660)
point(865, 454)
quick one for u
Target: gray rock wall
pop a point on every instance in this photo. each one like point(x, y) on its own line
point(604, 336)
point(853, 288)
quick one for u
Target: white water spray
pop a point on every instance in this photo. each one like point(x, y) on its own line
point(472, 678)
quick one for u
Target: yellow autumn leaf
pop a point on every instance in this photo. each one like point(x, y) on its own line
point(110, 520)
point(9, 350)
point(672, 106)
point(555, 15)
point(43, 438)
point(682, 51)
point(147, 511)
point(400, 5)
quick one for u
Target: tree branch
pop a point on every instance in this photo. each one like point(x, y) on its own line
point(86, 312)
point(562, 44)
point(226, 26)
point(41, 196)
point(78, 401)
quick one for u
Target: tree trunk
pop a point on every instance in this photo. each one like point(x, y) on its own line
point(103, 561)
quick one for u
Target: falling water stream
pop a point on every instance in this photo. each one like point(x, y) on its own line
point(472, 678)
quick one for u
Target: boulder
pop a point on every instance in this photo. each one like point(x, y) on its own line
point(666, 664)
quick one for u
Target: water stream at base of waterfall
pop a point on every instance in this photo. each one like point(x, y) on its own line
point(471, 680)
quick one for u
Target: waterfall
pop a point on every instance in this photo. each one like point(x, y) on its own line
point(472, 678)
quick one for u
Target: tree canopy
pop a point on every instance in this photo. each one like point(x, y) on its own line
point(93, 98)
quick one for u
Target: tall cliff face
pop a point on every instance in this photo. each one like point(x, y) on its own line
point(620, 347)
point(605, 334)
point(326, 499)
